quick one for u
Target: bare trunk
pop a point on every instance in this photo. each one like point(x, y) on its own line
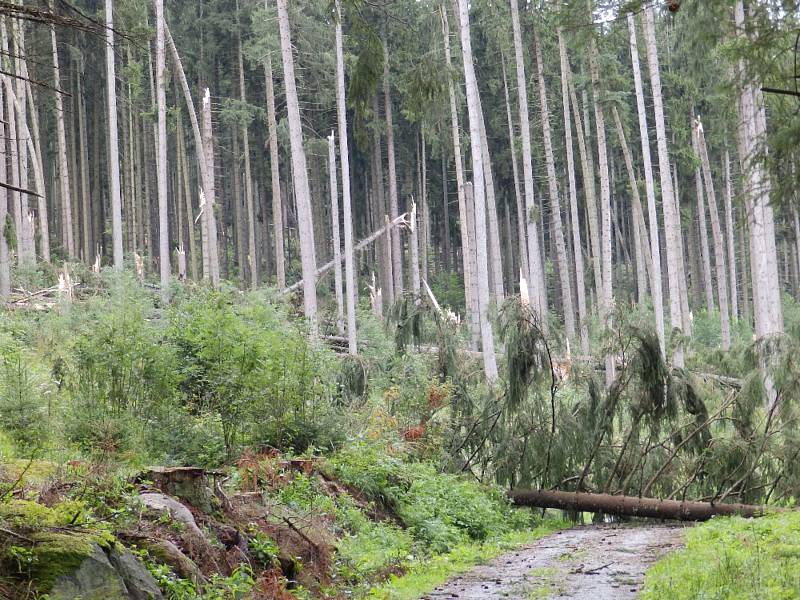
point(397, 244)
point(277, 210)
point(656, 290)
point(27, 249)
point(495, 256)
point(607, 302)
point(337, 246)
point(252, 254)
point(555, 202)
point(705, 253)
point(577, 246)
point(730, 238)
point(161, 104)
point(113, 133)
point(344, 154)
point(63, 171)
point(5, 263)
point(209, 192)
point(299, 171)
point(536, 274)
point(671, 217)
point(719, 240)
point(473, 107)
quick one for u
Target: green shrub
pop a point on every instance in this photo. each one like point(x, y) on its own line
point(23, 407)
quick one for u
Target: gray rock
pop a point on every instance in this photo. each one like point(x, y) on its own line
point(94, 579)
point(138, 581)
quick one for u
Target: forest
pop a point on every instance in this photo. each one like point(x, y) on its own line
point(399, 299)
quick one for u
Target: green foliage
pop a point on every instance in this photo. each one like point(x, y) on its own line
point(23, 405)
point(732, 558)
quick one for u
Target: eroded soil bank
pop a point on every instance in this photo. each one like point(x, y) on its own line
point(584, 563)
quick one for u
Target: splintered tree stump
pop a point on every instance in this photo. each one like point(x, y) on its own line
point(189, 484)
point(631, 506)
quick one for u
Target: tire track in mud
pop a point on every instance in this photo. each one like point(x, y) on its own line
point(594, 562)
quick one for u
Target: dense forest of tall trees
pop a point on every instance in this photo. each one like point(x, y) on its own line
point(412, 142)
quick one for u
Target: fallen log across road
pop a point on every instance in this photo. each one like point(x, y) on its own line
point(631, 506)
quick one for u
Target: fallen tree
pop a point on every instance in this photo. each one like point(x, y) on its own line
point(631, 506)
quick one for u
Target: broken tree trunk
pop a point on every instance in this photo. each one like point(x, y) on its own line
point(631, 506)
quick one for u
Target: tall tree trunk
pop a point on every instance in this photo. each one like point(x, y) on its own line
point(523, 250)
point(344, 154)
point(275, 177)
point(209, 191)
point(719, 240)
point(447, 246)
point(730, 238)
point(113, 132)
point(536, 280)
point(473, 107)
point(308, 257)
point(656, 290)
point(555, 202)
point(63, 171)
point(467, 247)
point(252, 253)
point(88, 237)
point(705, 252)
point(414, 243)
point(161, 104)
point(671, 216)
point(187, 191)
point(5, 263)
point(379, 191)
point(27, 248)
point(577, 247)
point(397, 244)
point(337, 245)
point(495, 256)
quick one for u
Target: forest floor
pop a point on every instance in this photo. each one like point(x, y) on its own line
point(583, 563)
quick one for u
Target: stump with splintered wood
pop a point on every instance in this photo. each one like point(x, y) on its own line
point(631, 506)
point(189, 484)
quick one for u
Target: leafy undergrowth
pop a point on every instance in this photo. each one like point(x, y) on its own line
point(732, 558)
point(371, 520)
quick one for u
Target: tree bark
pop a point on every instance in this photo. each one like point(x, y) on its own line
point(730, 239)
point(252, 251)
point(337, 246)
point(633, 506)
point(536, 274)
point(705, 252)
point(277, 210)
point(671, 216)
point(719, 240)
point(113, 132)
point(344, 154)
point(397, 243)
point(5, 266)
point(63, 170)
point(473, 107)
point(161, 105)
point(299, 171)
point(555, 202)
point(656, 290)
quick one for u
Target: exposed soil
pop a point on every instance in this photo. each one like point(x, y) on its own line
point(584, 563)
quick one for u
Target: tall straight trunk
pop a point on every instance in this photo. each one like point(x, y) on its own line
point(133, 172)
point(473, 107)
point(640, 231)
point(467, 246)
point(656, 290)
point(671, 216)
point(536, 281)
point(252, 253)
point(275, 177)
point(414, 247)
point(425, 232)
point(36, 156)
point(5, 263)
point(719, 240)
point(113, 132)
point(379, 190)
point(744, 269)
point(685, 313)
point(305, 223)
point(209, 191)
point(730, 239)
point(589, 190)
point(397, 244)
point(27, 250)
point(161, 104)
point(337, 245)
point(63, 170)
point(10, 112)
point(88, 237)
point(446, 242)
point(751, 132)
point(344, 155)
point(705, 251)
point(187, 190)
point(555, 202)
point(523, 252)
point(495, 256)
point(607, 302)
point(238, 226)
point(577, 247)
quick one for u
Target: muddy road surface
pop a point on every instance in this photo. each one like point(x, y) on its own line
point(597, 562)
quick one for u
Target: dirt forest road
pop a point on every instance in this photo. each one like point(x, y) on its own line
point(597, 562)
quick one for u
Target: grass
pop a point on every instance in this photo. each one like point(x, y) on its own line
point(426, 575)
point(732, 558)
